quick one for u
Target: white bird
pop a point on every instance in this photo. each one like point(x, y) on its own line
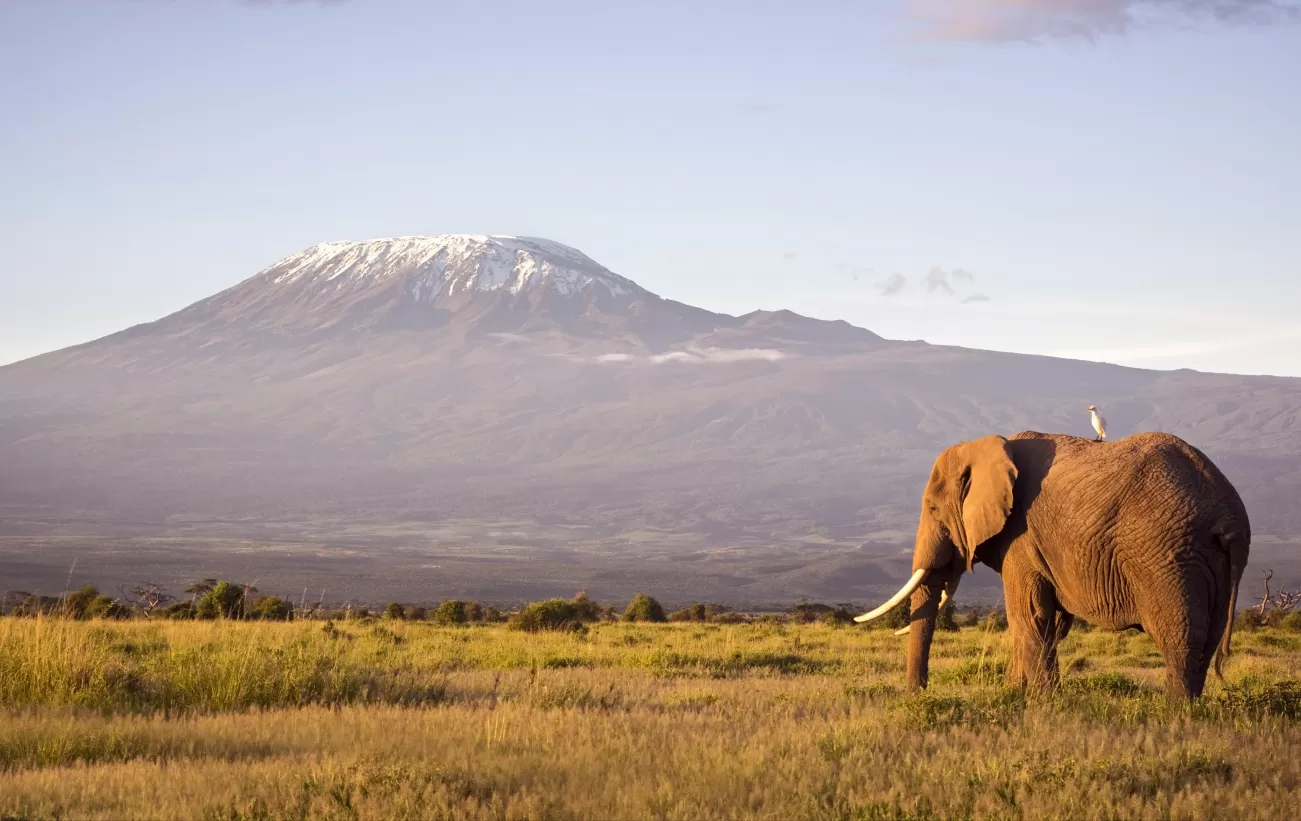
point(1099, 424)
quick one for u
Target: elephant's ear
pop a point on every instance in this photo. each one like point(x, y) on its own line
point(987, 501)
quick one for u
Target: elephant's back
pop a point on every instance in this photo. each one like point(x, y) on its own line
point(1143, 476)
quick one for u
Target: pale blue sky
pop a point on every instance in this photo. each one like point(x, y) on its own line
point(1134, 197)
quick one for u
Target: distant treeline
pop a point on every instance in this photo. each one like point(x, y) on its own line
point(221, 599)
point(218, 599)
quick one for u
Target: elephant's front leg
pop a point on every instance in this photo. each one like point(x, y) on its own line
point(1032, 619)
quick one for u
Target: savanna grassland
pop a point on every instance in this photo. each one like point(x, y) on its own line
point(386, 719)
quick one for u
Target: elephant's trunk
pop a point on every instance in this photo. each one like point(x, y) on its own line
point(925, 607)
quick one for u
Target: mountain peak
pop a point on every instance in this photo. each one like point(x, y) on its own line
point(448, 264)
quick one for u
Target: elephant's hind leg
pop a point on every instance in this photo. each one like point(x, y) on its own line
point(1177, 615)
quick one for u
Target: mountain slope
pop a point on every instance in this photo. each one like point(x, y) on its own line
point(410, 390)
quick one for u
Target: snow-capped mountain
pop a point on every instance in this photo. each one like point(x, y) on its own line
point(470, 286)
point(433, 267)
point(458, 383)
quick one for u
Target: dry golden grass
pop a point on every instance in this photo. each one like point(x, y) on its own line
point(277, 721)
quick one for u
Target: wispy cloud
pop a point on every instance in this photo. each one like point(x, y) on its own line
point(894, 285)
point(1028, 20)
point(936, 281)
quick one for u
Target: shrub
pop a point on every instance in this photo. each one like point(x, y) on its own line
point(78, 601)
point(944, 618)
point(996, 620)
point(393, 610)
point(896, 618)
point(699, 612)
point(1291, 622)
point(807, 612)
point(644, 608)
point(271, 608)
point(473, 611)
point(554, 614)
point(589, 610)
point(450, 612)
point(88, 603)
point(417, 613)
point(728, 618)
point(839, 617)
point(179, 610)
point(223, 600)
point(1248, 620)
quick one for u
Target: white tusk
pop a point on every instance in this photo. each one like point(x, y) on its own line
point(944, 597)
point(904, 592)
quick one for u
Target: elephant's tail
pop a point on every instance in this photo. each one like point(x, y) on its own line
point(1238, 549)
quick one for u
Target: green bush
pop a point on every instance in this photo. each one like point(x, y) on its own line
point(88, 603)
point(393, 610)
point(555, 614)
point(271, 608)
point(589, 610)
point(1291, 622)
point(896, 618)
point(944, 619)
point(644, 608)
point(995, 620)
point(1248, 620)
point(699, 612)
point(224, 600)
point(451, 612)
point(839, 617)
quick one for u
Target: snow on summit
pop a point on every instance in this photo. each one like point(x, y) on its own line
point(448, 264)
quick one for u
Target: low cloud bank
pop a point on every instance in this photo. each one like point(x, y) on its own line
point(699, 356)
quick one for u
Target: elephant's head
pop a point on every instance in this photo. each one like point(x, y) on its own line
point(966, 503)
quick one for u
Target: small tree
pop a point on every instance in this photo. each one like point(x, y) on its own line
point(199, 588)
point(588, 610)
point(78, 602)
point(271, 608)
point(699, 612)
point(644, 608)
point(145, 598)
point(898, 617)
point(394, 611)
point(223, 600)
point(473, 611)
point(551, 614)
point(944, 618)
point(450, 613)
point(417, 613)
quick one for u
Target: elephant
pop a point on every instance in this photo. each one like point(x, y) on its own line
point(1141, 532)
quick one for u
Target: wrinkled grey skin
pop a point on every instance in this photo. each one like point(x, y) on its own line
point(1139, 532)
